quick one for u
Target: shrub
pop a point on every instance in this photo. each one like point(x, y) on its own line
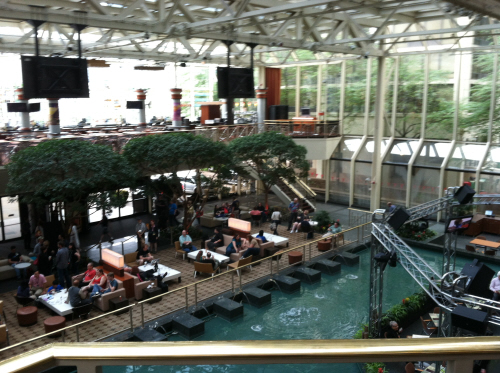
point(415, 232)
point(324, 221)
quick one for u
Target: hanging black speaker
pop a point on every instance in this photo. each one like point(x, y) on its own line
point(464, 194)
point(398, 218)
point(479, 278)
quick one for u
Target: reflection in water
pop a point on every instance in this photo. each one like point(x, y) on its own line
point(351, 277)
point(256, 328)
point(301, 315)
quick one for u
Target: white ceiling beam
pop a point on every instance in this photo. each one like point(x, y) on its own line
point(130, 9)
point(188, 46)
point(98, 7)
point(148, 12)
point(228, 8)
point(25, 37)
point(161, 9)
point(242, 7)
point(186, 11)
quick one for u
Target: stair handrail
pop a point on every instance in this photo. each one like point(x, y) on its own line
point(311, 192)
point(300, 195)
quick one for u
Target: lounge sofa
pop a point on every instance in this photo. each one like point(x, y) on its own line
point(6, 271)
point(227, 240)
point(208, 221)
point(103, 301)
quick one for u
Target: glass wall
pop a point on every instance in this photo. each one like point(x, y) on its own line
point(331, 90)
point(288, 91)
point(340, 170)
point(309, 88)
point(355, 94)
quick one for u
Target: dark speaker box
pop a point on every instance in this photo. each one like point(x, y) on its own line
point(479, 278)
point(278, 112)
point(469, 319)
point(398, 218)
point(464, 194)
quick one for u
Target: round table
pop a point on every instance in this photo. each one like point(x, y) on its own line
point(22, 265)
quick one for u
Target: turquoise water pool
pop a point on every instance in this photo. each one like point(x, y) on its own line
point(331, 309)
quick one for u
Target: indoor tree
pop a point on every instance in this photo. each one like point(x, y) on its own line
point(77, 173)
point(273, 156)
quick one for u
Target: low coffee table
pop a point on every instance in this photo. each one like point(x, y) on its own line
point(172, 274)
point(278, 240)
point(150, 293)
point(221, 258)
point(117, 303)
point(57, 302)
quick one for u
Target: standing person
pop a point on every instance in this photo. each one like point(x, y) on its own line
point(199, 214)
point(45, 260)
point(73, 235)
point(153, 235)
point(140, 228)
point(262, 209)
point(37, 283)
point(276, 218)
point(495, 287)
point(38, 247)
point(235, 207)
point(74, 253)
point(172, 213)
point(390, 208)
point(104, 223)
point(62, 264)
point(293, 207)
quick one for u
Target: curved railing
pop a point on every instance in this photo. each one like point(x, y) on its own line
point(355, 235)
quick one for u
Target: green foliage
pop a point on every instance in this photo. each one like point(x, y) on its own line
point(414, 232)
point(324, 221)
point(360, 331)
point(70, 171)
point(407, 311)
point(375, 368)
point(268, 153)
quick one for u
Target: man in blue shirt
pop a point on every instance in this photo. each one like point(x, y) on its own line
point(186, 242)
point(172, 209)
point(293, 207)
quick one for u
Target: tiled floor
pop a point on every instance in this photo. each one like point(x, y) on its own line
point(172, 301)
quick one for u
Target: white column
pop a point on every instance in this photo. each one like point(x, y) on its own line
point(54, 125)
point(261, 107)
point(141, 96)
point(25, 116)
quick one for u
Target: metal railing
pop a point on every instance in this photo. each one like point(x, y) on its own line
point(358, 217)
point(459, 353)
point(304, 128)
point(190, 293)
point(118, 137)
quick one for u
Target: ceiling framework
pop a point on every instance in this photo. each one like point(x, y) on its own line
point(193, 30)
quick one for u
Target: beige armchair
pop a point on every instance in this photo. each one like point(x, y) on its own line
point(130, 258)
point(103, 301)
point(264, 246)
point(240, 263)
point(227, 240)
point(204, 268)
point(138, 286)
point(4, 334)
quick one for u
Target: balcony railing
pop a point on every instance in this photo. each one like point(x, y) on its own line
point(116, 136)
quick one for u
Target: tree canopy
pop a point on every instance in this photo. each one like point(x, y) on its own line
point(273, 156)
point(72, 171)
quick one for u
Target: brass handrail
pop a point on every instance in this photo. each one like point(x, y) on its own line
point(182, 288)
point(459, 352)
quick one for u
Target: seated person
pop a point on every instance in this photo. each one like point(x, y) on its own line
point(85, 277)
point(261, 236)
point(302, 219)
point(333, 232)
point(15, 258)
point(37, 284)
point(55, 287)
point(209, 259)
point(186, 242)
point(234, 246)
point(74, 298)
point(254, 247)
point(216, 241)
point(99, 279)
point(199, 256)
point(143, 255)
point(111, 285)
point(23, 290)
point(393, 331)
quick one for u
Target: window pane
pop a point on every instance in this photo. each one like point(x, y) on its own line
point(393, 185)
point(367, 153)
point(340, 174)
point(492, 163)
point(401, 151)
point(331, 90)
point(425, 185)
point(309, 87)
point(433, 154)
point(10, 218)
point(355, 92)
point(466, 156)
point(346, 148)
point(288, 80)
point(362, 185)
point(488, 184)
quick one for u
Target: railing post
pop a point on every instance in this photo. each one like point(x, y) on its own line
point(304, 256)
point(63, 334)
point(310, 252)
point(186, 291)
point(77, 334)
point(195, 295)
point(232, 282)
point(131, 321)
point(278, 265)
point(142, 314)
point(123, 252)
point(241, 275)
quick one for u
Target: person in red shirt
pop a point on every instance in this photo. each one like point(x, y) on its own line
point(99, 279)
point(85, 277)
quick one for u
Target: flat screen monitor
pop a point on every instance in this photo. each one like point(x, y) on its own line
point(135, 104)
point(54, 77)
point(240, 84)
point(17, 107)
point(488, 213)
point(458, 224)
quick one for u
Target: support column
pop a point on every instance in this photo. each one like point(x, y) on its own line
point(54, 124)
point(25, 116)
point(141, 96)
point(223, 108)
point(261, 108)
point(378, 132)
point(238, 188)
point(176, 103)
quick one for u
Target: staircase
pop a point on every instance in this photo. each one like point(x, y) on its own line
point(291, 192)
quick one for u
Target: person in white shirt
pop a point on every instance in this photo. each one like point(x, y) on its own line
point(276, 218)
point(495, 287)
